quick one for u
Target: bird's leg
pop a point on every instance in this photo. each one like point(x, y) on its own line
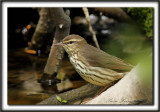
point(102, 89)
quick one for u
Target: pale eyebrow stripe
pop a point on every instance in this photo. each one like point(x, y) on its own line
point(71, 40)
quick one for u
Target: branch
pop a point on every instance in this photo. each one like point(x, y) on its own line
point(43, 29)
point(85, 10)
point(116, 13)
point(62, 23)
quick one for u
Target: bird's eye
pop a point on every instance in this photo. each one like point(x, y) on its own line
point(70, 42)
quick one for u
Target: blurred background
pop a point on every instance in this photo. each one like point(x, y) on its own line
point(128, 37)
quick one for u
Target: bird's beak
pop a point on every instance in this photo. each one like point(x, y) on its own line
point(59, 43)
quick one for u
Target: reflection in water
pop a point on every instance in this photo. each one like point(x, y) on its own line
point(24, 71)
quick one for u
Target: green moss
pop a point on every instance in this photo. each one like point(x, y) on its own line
point(144, 17)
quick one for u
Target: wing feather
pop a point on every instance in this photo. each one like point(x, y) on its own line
point(99, 58)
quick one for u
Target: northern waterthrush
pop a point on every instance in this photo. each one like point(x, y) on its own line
point(92, 64)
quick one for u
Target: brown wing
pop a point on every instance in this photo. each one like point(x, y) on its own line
point(98, 58)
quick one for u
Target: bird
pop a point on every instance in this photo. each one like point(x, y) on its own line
point(92, 64)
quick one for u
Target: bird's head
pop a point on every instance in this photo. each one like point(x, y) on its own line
point(72, 43)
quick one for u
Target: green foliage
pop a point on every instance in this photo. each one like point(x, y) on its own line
point(146, 70)
point(60, 99)
point(64, 101)
point(143, 16)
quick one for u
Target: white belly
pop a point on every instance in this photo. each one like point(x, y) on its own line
point(79, 66)
point(82, 71)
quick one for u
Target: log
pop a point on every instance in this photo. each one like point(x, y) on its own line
point(74, 95)
point(135, 88)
